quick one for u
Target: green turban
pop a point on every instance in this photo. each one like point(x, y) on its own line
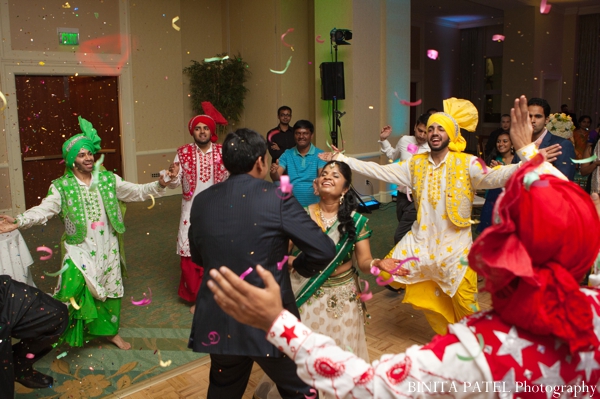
point(89, 139)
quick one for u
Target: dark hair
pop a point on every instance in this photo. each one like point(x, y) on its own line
point(505, 115)
point(582, 117)
point(540, 102)
point(423, 119)
point(564, 105)
point(494, 153)
point(430, 110)
point(304, 124)
point(350, 203)
point(241, 149)
point(283, 108)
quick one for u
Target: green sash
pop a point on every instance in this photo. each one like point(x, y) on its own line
point(343, 246)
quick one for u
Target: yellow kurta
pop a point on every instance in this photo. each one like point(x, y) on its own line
point(435, 239)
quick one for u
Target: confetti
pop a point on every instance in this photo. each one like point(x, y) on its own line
point(247, 272)
point(66, 5)
point(213, 59)
point(285, 187)
point(545, 7)
point(433, 54)
point(412, 148)
point(26, 148)
point(213, 338)
point(412, 258)
point(96, 173)
point(42, 63)
point(469, 358)
point(540, 183)
point(145, 301)
point(177, 28)
point(285, 69)
point(313, 394)
point(319, 40)
point(58, 273)
point(30, 356)
point(481, 163)
point(281, 263)
point(153, 202)
point(383, 277)
point(61, 355)
point(498, 38)
point(96, 224)
point(74, 304)
point(160, 361)
point(96, 15)
point(272, 134)
point(45, 249)
point(4, 101)
point(585, 160)
point(283, 38)
point(408, 103)
point(366, 294)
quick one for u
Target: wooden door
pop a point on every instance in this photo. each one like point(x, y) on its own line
point(48, 109)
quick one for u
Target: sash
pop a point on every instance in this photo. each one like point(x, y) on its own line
point(343, 246)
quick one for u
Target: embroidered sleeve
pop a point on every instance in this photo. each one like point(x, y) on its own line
point(40, 214)
point(366, 232)
point(529, 151)
point(328, 368)
point(392, 173)
point(489, 178)
point(131, 192)
point(177, 181)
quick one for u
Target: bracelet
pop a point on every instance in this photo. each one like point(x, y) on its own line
point(373, 261)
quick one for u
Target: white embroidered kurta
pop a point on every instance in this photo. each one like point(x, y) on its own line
point(97, 257)
point(436, 241)
point(183, 243)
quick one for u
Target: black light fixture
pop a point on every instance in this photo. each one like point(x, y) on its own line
point(340, 36)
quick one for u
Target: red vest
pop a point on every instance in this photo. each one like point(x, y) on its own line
point(187, 160)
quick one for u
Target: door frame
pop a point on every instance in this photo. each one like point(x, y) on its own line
point(62, 63)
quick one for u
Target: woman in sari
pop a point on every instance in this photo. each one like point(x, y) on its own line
point(329, 302)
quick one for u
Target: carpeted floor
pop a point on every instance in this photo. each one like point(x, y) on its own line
point(100, 368)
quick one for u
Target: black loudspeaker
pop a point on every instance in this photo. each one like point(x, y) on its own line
point(332, 81)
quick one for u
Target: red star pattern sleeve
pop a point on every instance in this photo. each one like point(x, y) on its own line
point(453, 367)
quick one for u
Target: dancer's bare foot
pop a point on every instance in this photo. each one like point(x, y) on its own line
point(121, 344)
point(193, 309)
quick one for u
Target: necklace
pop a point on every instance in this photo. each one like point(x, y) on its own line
point(325, 222)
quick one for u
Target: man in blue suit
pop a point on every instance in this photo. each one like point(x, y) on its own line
point(539, 110)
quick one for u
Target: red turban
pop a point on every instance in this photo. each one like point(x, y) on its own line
point(211, 118)
point(536, 253)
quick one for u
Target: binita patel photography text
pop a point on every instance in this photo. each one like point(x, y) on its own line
point(573, 389)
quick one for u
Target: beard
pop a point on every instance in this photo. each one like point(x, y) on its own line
point(443, 145)
point(202, 142)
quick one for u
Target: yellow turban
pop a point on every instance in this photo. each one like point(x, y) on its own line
point(458, 114)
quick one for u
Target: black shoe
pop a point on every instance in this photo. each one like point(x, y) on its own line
point(34, 379)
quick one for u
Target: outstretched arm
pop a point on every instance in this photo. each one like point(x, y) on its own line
point(131, 192)
point(40, 214)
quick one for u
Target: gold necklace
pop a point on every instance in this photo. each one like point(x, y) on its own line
point(323, 222)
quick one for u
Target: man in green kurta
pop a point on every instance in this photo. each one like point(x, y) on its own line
point(88, 201)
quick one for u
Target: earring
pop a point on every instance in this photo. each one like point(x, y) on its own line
point(342, 199)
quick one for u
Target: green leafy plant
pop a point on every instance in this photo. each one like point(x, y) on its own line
point(220, 82)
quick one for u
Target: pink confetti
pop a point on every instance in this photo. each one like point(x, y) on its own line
point(145, 301)
point(285, 187)
point(481, 163)
point(313, 394)
point(273, 133)
point(30, 356)
point(319, 40)
point(498, 38)
point(412, 148)
point(213, 338)
point(45, 249)
point(366, 294)
point(403, 262)
point(282, 262)
point(247, 272)
point(62, 161)
point(26, 148)
point(283, 37)
point(433, 54)
point(96, 224)
point(407, 103)
point(382, 282)
point(91, 368)
point(545, 7)
point(540, 183)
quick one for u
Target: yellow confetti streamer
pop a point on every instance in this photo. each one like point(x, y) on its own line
point(153, 202)
point(287, 65)
point(42, 63)
point(74, 304)
point(4, 101)
point(66, 5)
point(177, 28)
point(163, 364)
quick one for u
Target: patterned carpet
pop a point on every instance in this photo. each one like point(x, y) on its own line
point(100, 368)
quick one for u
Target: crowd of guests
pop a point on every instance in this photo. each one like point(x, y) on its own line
point(310, 244)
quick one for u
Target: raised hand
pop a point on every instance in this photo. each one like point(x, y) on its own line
point(521, 129)
point(174, 170)
point(551, 153)
point(385, 132)
point(257, 307)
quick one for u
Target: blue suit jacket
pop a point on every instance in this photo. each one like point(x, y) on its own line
point(563, 162)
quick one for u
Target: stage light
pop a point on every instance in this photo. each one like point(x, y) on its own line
point(339, 36)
